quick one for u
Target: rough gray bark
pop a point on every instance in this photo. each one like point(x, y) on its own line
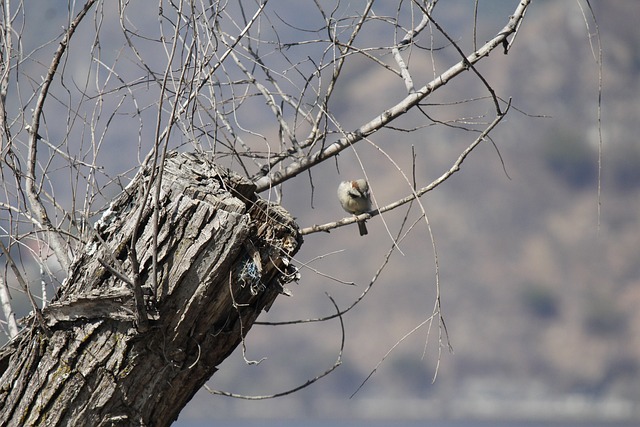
point(222, 257)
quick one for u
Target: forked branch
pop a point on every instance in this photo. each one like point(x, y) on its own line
point(57, 243)
point(411, 100)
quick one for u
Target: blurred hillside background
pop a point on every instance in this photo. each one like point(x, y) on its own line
point(540, 294)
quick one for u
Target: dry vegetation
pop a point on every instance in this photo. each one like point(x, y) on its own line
point(540, 286)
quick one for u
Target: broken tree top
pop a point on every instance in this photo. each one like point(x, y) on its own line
point(208, 218)
point(165, 287)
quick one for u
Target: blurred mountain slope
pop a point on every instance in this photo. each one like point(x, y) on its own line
point(540, 294)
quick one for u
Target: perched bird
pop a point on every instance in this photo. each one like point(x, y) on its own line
point(354, 198)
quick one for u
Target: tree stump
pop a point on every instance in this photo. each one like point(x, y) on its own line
point(118, 347)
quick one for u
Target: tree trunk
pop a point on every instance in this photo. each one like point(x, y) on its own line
point(116, 351)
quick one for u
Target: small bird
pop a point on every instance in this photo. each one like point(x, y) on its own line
point(354, 198)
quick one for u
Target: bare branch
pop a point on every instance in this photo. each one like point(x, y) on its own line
point(7, 309)
point(452, 170)
point(395, 111)
point(25, 287)
point(59, 246)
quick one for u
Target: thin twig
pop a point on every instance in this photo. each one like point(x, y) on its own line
point(307, 383)
point(399, 109)
point(598, 58)
point(452, 170)
point(58, 245)
point(25, 287)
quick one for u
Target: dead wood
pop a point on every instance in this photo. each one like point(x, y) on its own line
point(118, 351)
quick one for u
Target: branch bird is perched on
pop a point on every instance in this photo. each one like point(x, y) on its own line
point(354, 198)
